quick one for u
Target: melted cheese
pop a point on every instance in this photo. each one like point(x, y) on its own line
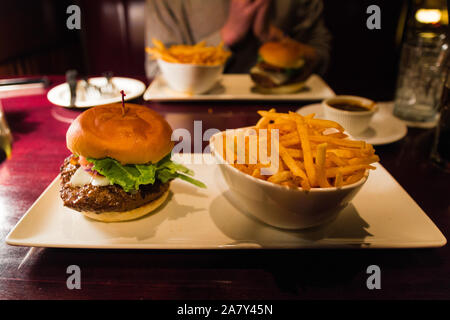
point(81, 178)
point(277, 77)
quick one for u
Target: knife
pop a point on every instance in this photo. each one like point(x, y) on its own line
point(71, 79)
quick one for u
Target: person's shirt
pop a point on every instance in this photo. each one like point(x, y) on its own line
point(192, 21)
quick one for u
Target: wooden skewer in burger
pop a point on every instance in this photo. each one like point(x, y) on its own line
point(120, 168)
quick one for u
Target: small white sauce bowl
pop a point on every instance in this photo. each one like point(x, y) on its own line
point(190, 78)
point(281, 206)
point(354, 122)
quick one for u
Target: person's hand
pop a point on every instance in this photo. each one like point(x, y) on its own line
point(240, 19)
point(263, 29)
point(261, 26)
point(310, 54)
point(271, 33)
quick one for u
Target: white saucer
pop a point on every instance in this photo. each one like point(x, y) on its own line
point(60, 95)
point(384, 127)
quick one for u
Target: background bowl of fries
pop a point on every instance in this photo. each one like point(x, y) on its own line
point(190, 78)
point(288, 198)
point(191, 69)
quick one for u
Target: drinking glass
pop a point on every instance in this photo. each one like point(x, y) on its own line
point(420, 80)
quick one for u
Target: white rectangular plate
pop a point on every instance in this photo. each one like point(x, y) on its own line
point(238, 87)
point(382, 215)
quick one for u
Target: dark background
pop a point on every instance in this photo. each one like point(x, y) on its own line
point(34, 40)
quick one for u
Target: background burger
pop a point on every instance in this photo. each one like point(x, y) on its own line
point(282, 67)
point(120, 168)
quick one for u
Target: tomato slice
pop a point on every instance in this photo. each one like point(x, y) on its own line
point(83, 162)
point(74, 161)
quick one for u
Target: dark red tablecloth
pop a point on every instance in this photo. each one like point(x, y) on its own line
point(39, 148)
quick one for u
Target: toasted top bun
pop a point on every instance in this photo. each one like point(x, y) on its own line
point(284, 54)
point(139, 136)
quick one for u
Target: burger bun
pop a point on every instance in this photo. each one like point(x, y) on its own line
point(128, 215)
point(135, 135)
point(283, 54)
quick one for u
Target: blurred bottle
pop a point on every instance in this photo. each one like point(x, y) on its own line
point(5, 134)
point(421, 71)
point(441, 147)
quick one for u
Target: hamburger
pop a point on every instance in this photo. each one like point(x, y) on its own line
point(120, 167)
point(281, 67)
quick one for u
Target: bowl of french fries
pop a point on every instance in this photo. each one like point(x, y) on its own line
point(290, 171)
point(190, 69)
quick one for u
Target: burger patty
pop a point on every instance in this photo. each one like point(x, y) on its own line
point(266, 82)
point(262, 80)
point(105, 198)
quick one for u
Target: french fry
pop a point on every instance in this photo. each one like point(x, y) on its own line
point(290, 143)
point(338, 181)
point(264, 121)
point(274, 115)
point(158, 44)
point(191, 54)
point(320, 165)
point(355, 177)
point(292, 135)
point(306, 147)
point(344, 153)
point(339, 142)
point(317, 122)
point(301, 165)
point(312, 152)
point(331, 172)
point(295, 153)
point(325, 124)
point(280, 177)
point(367, 160)
point(292, 139)
point(283, 126)
point(336, 160)
point(290, 163)
point(337, 135)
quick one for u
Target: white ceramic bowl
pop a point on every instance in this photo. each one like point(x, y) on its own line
point(190, 78)
point(280, 206)
point(354, 122)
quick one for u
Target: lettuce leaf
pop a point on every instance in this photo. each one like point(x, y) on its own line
point(290, 72)
point(130, 176)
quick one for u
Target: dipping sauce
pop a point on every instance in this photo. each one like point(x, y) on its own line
point(349, 106)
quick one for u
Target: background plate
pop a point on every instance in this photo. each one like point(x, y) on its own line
point(60, 95)
point(238, 87)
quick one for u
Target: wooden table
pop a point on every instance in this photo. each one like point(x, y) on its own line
point(40, 273)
